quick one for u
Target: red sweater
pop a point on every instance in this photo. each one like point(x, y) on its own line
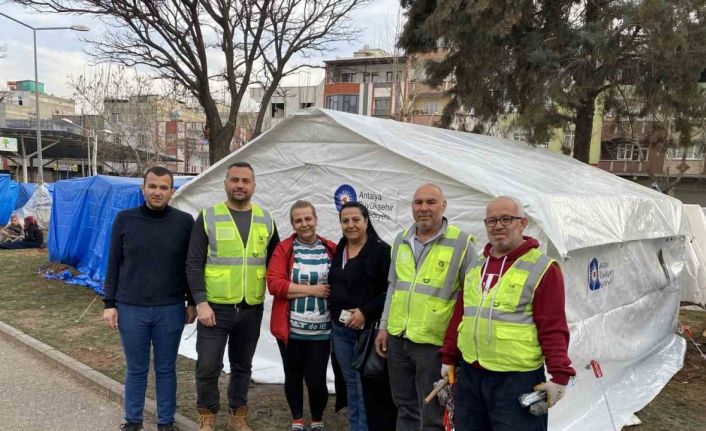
point(279, 276)
point(548, 312)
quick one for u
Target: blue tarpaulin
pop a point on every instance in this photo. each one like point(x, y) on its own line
point(82, 214)
point(26, 190)
point(8, 197)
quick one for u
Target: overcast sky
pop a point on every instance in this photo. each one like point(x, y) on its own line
point(61, 53)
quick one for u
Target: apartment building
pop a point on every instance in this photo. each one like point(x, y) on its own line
point(369, 83)
point(161, 126)
point(284, 102)
point(18, 103)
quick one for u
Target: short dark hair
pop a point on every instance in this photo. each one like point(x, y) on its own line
point(241, 165)
point(160, 171)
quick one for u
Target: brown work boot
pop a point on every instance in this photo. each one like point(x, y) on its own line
point(238, 420)
point(207, 420)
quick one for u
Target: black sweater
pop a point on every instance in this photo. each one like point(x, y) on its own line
point(147, 254)
point(363, 282)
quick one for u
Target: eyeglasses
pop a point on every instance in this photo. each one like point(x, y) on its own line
point(504, 220)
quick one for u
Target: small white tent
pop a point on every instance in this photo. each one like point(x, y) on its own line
point(620, 245)
point(38, 205)
point(694, 290)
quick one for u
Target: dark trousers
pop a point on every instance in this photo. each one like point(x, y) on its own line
point(239, 329)
point(305, 361)
point(413, 370)
point(489, 400)
point(379, 406)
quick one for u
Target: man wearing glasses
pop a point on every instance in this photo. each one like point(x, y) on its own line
point(508, 322)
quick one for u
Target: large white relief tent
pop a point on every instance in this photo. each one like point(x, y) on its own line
point(620, 245)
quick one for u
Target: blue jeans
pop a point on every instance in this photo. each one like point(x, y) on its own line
point(142, 328)
point(344, 341)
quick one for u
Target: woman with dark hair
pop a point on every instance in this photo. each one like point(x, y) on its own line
point(34, 238)
point(297, 277)
point(358, 279)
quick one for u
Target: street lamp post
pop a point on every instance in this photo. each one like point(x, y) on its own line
point(40, 173)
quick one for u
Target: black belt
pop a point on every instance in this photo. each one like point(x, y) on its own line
point(239, 306)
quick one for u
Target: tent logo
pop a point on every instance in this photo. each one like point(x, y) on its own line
point(343, 194)
point(594, 281)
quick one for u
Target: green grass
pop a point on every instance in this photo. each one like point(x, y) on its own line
point(48, 310)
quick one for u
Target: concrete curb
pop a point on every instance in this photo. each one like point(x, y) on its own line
point(101, 383)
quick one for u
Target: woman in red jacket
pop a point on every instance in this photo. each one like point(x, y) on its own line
point(297, 277)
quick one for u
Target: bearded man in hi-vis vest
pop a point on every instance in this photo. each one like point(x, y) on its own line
point(231, 243)
point(508, 323)
point(427, 260)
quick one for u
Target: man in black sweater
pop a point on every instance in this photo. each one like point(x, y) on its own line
point(144, 293)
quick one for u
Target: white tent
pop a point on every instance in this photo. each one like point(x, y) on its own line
point(38, 205)
point(694, 289)
point(620, 245)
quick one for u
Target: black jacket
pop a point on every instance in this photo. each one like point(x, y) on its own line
point(363, 282)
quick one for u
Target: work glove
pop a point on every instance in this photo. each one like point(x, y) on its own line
point(449, 370)
point(554, 391)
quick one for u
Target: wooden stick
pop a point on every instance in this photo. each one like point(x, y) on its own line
point(438, 387)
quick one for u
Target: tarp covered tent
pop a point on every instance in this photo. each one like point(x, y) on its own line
point(695, 290)
point(38, 205)
point(620, 245)
point(83, 211)
point(26, 190)
point(8, 196)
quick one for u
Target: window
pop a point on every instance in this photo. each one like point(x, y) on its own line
point(519, 136)
point(277, 110)
point(630, 151)
point(381, 106)
point(430, 108)
point(366, 77)
point(694, 152)
point(115, 118)
point(305, 105)
point(343, 102)
point(388, 76)
point(568, 141)
point(348, 77)
point(374, 77)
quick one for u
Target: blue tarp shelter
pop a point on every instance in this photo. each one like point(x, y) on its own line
point(8, 196)
point(83, 211)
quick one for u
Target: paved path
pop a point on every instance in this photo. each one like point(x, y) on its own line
point(35, 396)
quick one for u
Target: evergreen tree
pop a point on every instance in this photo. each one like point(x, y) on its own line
point(550, 61)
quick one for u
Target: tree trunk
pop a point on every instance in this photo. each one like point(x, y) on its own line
point(264, 105)
point(584, 128)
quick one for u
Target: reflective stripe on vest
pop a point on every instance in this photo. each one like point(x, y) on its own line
point(234, 272)
point(423, 299)
point(498, 328)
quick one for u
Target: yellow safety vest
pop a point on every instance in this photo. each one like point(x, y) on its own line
point(234, 272)
point(498, 328)
point(423, 299)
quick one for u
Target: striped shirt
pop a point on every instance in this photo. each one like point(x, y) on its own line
point(310, 317)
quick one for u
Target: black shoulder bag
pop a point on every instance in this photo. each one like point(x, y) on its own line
point(365, 359)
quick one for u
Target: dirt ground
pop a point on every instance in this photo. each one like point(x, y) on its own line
point(49, 311)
